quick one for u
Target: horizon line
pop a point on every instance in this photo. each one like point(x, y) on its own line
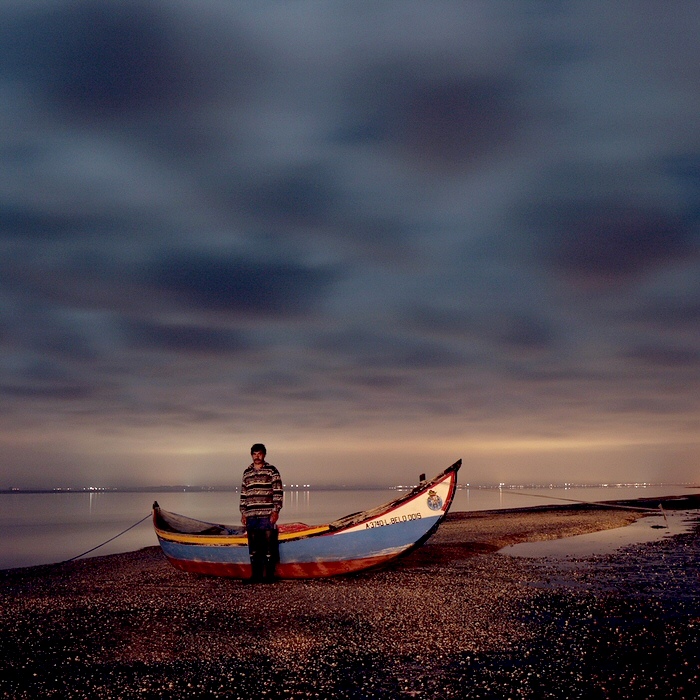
point(174, 488)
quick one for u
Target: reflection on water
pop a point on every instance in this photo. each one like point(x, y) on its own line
point(47, 528)
point(297, 501)
point(646, 529)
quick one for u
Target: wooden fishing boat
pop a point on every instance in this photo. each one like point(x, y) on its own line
point(356, 542)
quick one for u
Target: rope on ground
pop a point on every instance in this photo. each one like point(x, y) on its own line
point(131, 527)
point(600, 504)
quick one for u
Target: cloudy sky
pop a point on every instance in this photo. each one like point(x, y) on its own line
point(377, 236)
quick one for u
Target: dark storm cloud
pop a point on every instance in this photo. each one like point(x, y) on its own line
point(83, 279)
point(134, 300)
point(681, 315)
point(181, 338)
point(42, 379)
point(28, 223)
point(524, 336)
point(665, 356)
point(366, 349)
point(309, 205)
point(48, 336)
point(112, 60)
point(612, 225)
point(440, 120)
point(96, 60)
point(37, 389)
point(609, 241)
point(510, 331)
point(241, 285)
point(300, 197)
point(686, 168)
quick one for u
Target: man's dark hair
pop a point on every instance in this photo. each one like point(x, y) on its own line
point(258, 447)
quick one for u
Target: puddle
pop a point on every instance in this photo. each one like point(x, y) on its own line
point(648, 529)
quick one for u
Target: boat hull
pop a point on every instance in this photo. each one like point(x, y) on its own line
point(282, 571)
point(355, 543)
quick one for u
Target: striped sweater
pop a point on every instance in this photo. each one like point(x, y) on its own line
point(261, 491)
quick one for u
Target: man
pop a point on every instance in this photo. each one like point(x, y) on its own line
point(261, 502)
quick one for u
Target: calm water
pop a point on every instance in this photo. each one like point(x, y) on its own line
point(651, 529)
point(48, 528)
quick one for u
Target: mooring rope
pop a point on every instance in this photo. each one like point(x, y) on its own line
point(601, 504)
point(131, 527)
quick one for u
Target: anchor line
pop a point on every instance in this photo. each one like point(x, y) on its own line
point(131, 527)
point(591, 503)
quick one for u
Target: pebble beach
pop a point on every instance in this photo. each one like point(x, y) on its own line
point(454, 619)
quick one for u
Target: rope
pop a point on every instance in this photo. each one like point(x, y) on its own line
point(600, 504)
point(77, 556)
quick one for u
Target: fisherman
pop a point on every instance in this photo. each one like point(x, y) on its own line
point(261, 502)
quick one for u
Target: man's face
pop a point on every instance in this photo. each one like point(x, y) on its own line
point(258, 458)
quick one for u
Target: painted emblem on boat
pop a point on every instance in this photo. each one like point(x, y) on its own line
point(434, 501)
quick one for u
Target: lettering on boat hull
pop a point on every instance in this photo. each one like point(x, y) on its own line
point(394, 520)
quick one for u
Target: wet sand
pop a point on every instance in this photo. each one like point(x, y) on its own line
point(452, 619)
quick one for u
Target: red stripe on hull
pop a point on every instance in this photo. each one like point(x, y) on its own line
point(209, 568)
point(285, 571)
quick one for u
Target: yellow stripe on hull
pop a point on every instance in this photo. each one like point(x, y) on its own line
point(231, 540)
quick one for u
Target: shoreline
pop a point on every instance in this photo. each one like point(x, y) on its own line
point(451, 612)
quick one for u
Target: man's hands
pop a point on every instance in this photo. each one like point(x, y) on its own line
point(274, 517)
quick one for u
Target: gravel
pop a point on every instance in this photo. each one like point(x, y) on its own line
point(453, 619)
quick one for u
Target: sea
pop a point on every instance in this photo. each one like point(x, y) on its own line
point(46, 528)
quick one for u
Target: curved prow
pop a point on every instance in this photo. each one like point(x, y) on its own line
point(447, 476)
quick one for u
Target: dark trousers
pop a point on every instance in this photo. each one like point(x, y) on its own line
point(263, 547)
